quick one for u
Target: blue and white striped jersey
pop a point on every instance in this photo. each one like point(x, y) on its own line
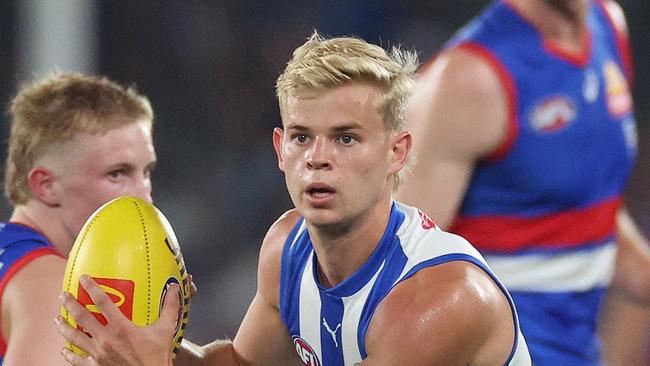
point(328, 325)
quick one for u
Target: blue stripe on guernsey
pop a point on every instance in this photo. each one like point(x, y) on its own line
point(566, 333)
point(329, 325)
point(331, 314)
point(291, 259)
point(388, 277)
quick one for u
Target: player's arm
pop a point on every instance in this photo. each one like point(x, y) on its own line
point(625, 317)
point(29, 303)
point(457, 115)
point(450, 314)
point(632, 268)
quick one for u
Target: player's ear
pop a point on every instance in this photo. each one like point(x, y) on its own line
point(41, 183)
point(400, 149)
point(278, 133)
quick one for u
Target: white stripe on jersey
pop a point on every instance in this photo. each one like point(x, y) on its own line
point(351, 317)
point(310, 307)
point(557, 272)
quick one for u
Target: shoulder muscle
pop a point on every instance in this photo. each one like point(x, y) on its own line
point(451, 314)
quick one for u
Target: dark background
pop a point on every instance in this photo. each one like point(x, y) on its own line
point(209, 69)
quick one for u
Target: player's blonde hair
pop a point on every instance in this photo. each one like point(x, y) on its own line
point(55, 109)
point(321, 64)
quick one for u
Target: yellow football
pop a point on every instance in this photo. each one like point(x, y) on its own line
point(129, 248)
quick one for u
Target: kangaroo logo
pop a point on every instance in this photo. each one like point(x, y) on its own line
point(332, 332)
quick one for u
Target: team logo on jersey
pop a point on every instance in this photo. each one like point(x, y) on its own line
point(619, 100)
point(305, 352)
point(119, 291)
point(426, 222)
point(553, 114)
point(331, 331)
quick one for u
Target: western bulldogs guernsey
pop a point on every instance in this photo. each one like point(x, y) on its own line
point(19, 245)
point(542, 208)
point(328, 326)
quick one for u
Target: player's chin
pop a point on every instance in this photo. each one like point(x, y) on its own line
point(320, 216)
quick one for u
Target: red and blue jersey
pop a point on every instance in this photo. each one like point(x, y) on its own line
point(542, 207)
point(19, 245)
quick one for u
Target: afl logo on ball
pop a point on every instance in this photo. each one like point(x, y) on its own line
point(305, 352)
point(119, 291)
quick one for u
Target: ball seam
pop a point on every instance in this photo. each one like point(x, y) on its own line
point(148, 256)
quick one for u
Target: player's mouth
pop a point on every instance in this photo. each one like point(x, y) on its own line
point(319, 194)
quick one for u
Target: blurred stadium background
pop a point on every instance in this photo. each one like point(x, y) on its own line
point(209, 69)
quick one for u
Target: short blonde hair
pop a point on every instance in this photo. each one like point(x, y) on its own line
point(55, 109)
point(321, 64)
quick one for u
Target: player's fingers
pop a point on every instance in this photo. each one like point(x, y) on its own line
point(72, 335)
point(81, 316)
point(193, 288)
point(169, 316)
point(101, 300)
point(75, 359)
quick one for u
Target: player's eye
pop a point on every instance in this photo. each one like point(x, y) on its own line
point(347, 140)
point(300, 138)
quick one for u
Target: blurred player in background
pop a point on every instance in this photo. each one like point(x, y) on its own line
point(349, 276)
point(525, 136)
point(76, 142)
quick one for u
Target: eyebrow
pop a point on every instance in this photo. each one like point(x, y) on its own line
point(340, 128)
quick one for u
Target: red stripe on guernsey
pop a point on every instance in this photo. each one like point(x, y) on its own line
point(622, 44)
point(509, 234)
point(580, 58)
point(512, 127)
point(17, 266)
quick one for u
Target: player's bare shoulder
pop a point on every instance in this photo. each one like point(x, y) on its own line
point(465, 68)
point(35, 276)
point(451, 314)
point(278, 233)
point(270, 259)
point(459, 105)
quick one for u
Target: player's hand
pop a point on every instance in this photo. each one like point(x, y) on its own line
point(120, 342)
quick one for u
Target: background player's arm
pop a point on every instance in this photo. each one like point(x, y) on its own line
point(450, 314)
point(632, 269)
point(457, 115)
point(625, 318)
point(29, 303)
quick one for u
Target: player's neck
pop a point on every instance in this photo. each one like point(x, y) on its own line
point(559, 21)
point(342, 253)
point(47, 222)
